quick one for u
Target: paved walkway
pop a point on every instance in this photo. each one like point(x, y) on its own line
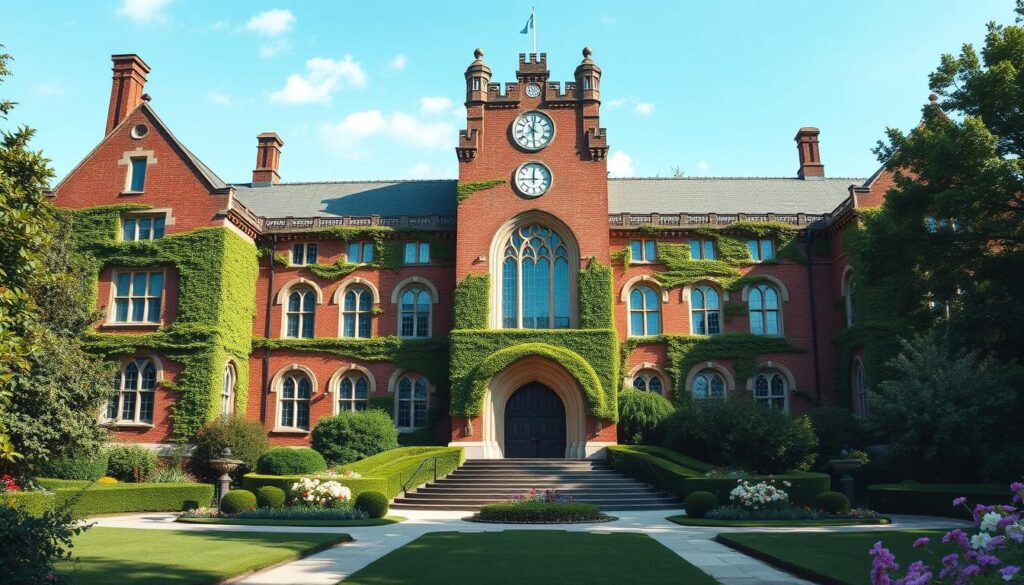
point(692, 543)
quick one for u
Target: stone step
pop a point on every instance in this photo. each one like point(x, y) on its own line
point(539, 476)
point(509, 492)
point(470, 508)
point(527, 484)
point(666, 501)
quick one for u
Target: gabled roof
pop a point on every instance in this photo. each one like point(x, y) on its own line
point(353, 198)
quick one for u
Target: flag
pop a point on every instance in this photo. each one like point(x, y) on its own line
point(528, 27)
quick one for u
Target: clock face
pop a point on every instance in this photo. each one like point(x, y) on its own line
point(533, 130)
point(532, 90)
point(533, 179)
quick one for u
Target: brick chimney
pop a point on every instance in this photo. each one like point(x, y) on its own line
point(126, 93)
point(268, 159)
point(810, 156)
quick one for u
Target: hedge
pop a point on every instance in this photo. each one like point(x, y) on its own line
point(384, 472)
point(681, 475)
point(934, 499)
point(116, 499)
point(540, 513)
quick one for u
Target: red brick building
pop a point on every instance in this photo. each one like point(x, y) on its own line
point(350, 301)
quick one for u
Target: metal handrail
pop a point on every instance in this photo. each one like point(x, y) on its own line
point(408, 482)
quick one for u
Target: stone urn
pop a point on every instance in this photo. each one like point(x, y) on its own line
point(845, 466)
point(224, 465)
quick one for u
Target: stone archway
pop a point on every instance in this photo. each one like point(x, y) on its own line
point(534, 423)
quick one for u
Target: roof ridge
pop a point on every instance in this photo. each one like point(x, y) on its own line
point(353, 182)
point(719, 178)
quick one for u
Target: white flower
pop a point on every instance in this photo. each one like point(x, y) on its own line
point(989, 521)
point(980, 541)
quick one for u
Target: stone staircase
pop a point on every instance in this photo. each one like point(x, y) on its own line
point(485, 481)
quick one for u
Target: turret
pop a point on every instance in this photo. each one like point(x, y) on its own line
point(588, 77)
point(478, 77)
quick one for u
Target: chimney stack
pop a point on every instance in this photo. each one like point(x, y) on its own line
point(126, 93)
point(268, 160)
point(810, 156)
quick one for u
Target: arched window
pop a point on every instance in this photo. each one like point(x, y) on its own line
point(648, 381)
point(851, 302)
point(301, 312)
point(412, 402)
point(708, 384)
point(356, 310)
point(770, 389)
point(414, 312)
point(535, 280)
point(705, 311)
point(860, 389)
point(135, 385)
point(763, 303)
point(644, 311)
point(353, 392)
point(227, 390)
point(296, 391)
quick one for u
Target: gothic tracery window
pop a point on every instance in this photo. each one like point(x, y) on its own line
point(535, 280)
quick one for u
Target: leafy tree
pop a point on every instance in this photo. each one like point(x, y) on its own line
point(945, 411)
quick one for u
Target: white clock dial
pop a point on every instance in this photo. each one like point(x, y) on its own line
point(533, 179)
point(533, 130)
point(532, 90)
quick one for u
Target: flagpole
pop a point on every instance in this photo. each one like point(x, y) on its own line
point(535, 29)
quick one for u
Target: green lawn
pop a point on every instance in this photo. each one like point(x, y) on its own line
point(129, 556)
point(275, 522)
point(840, 556)
point(684, 520)
point(515, 557)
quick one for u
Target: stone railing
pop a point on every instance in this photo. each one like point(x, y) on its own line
point(684, 220)
point(292, 224)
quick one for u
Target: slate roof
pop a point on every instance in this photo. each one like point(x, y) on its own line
point(356, 198)
point(727, 195)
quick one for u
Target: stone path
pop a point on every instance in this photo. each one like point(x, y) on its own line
point(692, 543)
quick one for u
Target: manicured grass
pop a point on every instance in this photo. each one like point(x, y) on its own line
point(273, 522)
point(516, 557)
point(129, 556)
point(839, 558)
point(687, 521)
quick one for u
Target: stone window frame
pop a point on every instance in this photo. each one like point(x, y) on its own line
point(126, 161)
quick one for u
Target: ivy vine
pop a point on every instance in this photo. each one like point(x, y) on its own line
point(467, 188)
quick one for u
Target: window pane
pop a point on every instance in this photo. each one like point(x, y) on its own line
point(350, 300)
point(308, 302)
point(756, 323)
point(509, 302)
point(304, 388)
point(367, 251)
point(307, 326)
point(139, 280)
point(287, 413)
point(767, 249)
point(364, 300)
point(653, 323)
point(424, 252)
point(410, 252)
point(639, 383)
point(755, 252)
point(636, 250)
point(698, 323)
point(144, 228)
point(700, 386)
point(124, 281)
point(771, 298)
point(650, 298)
point(717, 386)
point(404, 411)
point(353, 252)
point(362, 388)
point(655, 384)
point(709, 249)
point(636, 299)
point(311, 251)
point(771, 322)
point(404, 389)
point(561, 286)
point(153, 312)
point(761, 386)
point(650, 251)
point(712, 297)
point(292, 330)
point(128, 230)
point(714, 327)
point(364, 326)
point(158, 227)
point(420, 417)
point(298, 251)
point(695, 249)
point(128, 406)
point(302, 415)
point(138, 309)
point(636, 326)
point(146, 407)
point(156, 284)
point(696, 299)
point(349, 327)
point(138, 174)
point(121, 310)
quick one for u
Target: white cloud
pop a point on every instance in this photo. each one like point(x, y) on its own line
point(218, 97)
point(435, 105)
point(220, 25)
point(323, 77)
point(274, 48)
point(50, 89)
point(402, 128)
point(703, 166)
point(144, 10)
point(271, 23)
point(620, 164)
point(398, 62)
point(615, 103)
point(644, 108)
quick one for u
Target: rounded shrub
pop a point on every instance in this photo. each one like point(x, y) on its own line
point(288, 461)
point(246, 439)
point(354, 435)
point(832, 502)
point(698, 504)
point(270, 496)
point(375, 504)
point(84, 467)
point(642, 416)
point(236, 501)
point(106, 480)
point(131, 463)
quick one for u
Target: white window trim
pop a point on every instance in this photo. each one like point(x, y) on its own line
point(282, 300)
point(393, 389)
point(666, 380)
point(629, 311)
point(277, 384)
point(723, 297)
point(779, 368)
point(361, 243)
point(643, 244)
point(339, 299)
point(112, 297)
point(232, 393)
point(169, 220)
point(396, 299)
point(417, 243)
point(730, 380)
point(126, 424)
point(305, 253)
point(126, 161)
point(334, 384)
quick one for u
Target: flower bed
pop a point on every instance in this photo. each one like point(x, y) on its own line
point(536, 507)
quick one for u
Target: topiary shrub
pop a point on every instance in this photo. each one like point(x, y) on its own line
point(832, 502)
point(246, 439)
point(698, 504)
point(375, 504)
point(270, 496)
point(106, 480)
point(131, 463)
point(86, 468)
point(351, 436)
point(288, 461)
point(642, 416)
point(236, 501)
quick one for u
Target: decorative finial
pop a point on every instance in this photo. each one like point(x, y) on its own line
point(587, 52)
point(478, 53)
point(146, 97)
point(933, 98)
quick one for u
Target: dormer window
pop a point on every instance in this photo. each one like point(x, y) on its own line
point(137, 180)
point(142, 227)
point(304, 254)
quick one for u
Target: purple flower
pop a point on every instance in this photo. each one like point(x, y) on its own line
point(951, 559)
point(971, 570)
point(1009, 571)
point(984, 560)
point(956, 535)
point(883, 562)
point(959, 501)
point(922, 542)
point(996, 542)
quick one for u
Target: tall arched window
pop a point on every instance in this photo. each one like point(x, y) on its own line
point(356, 311)
point(644, 311)
point(535, 280)
point(705, 311)
point(851, 302)
point(763, 304)
point(227, 390)
point(648, 381)
point(301, 313)
point(860, 389)
point(770, 389)
point(708, 384)
point(296, 391)
point(135, 385)
point(412, 400)
point(353, 392)
point(414, 312)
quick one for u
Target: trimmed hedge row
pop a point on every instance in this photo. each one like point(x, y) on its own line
point(384, 472)
point(934, 499)
point(540, 512)
point(681, 475)
point(92, 499)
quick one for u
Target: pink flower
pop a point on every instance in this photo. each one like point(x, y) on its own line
point(922, 542)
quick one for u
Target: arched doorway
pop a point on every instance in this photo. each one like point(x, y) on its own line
point(535, 423)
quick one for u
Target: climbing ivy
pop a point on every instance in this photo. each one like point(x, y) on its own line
point(596, 296)
point(472, 302)
point(217, 272)
point(467, 188)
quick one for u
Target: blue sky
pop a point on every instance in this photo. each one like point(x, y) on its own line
point(373, 90)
